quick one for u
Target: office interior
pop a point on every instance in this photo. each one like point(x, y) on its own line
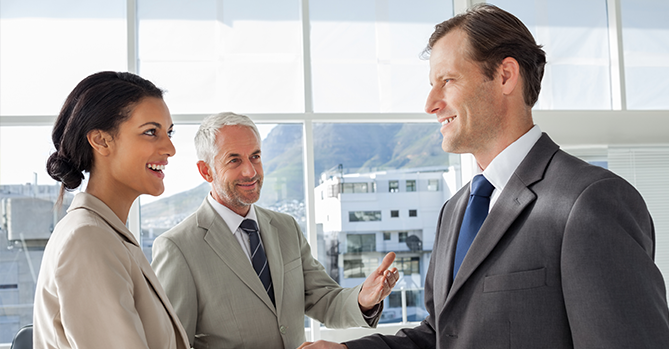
point(309, 72)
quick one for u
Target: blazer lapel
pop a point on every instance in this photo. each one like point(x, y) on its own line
point(271, 242)
point(94, 204)
point(153, 281)
point(452, 238)
point(516, 196)
point(225, 245)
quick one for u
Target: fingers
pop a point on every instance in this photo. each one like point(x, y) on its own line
point(386, 262)
point(391, 277)
point(304, 345)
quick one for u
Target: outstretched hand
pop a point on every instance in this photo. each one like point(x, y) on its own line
point(378, 284)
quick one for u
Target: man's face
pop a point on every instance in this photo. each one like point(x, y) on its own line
point(465, 101)
point(238, 177)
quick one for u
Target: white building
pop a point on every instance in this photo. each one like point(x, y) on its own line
point(363, 216)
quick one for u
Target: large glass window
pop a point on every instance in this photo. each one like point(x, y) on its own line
point(574, 34)
point(362, 57)
point(224, 55)
point(390, 155)
point(27, 218)
point(48, 46)
point(369, 55)
point(413, 300)
point(646, 47)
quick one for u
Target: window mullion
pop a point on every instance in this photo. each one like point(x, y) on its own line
point(616, 54)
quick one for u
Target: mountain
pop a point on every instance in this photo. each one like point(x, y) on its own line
point(358, 147)
point(169, 211)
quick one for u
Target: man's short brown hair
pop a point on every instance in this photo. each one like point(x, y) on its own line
point(494, 35)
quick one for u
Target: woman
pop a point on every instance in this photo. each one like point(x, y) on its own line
point(95, 288)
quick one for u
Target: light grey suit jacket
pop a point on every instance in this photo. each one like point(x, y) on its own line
point(563, 260)
point(220, 299)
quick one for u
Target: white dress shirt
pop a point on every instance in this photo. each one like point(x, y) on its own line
point(503, 166)
point(233, 220)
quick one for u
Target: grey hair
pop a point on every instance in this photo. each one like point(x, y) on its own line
point(205, 138)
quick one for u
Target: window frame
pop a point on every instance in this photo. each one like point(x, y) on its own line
point(394, 186)
point(595, 127)
point(410, 185)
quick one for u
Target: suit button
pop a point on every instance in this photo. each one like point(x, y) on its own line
point(282, 329)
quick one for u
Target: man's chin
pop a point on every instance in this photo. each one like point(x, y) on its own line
point(248, 201)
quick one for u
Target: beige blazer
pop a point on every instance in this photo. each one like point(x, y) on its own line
point(97, 290)
point(220, 299)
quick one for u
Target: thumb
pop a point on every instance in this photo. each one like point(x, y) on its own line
point(386, 262)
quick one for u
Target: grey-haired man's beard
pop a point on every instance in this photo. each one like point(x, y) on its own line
point(229, 193)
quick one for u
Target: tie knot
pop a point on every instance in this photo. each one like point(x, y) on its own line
point(249, 226)
point(481, 186)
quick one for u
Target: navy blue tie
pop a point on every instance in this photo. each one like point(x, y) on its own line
point(475, 214)
point(258, 258)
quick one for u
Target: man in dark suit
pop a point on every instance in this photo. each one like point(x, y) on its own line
point(564, 257)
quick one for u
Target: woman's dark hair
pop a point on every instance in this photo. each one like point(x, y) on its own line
point(495, 34)
point(101, 101)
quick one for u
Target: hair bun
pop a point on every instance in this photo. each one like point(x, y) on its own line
point(61, 169)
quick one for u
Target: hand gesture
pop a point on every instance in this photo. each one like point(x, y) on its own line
point(378, 284)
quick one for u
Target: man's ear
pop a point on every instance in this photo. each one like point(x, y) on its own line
point(99, 140)
point(205, 171)
point(510, 72)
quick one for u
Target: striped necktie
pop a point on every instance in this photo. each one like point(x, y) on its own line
point(258, 258)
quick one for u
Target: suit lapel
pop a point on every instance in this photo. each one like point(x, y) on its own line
point(153, 281)
point(508, 207)
point(271, 242)
point(225, 245)
point(103, 211)
point(516, 196)
point(452, 239)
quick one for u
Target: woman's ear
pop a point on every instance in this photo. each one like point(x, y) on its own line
point(99, 140)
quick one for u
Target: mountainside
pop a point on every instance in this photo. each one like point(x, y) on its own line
point(357, 147)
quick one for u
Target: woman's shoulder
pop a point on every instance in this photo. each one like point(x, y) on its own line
point(84, 232)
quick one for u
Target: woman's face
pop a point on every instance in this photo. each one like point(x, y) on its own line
point(140, 149)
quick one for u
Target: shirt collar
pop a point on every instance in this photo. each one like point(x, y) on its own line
point(503, 166)
point(231, 218)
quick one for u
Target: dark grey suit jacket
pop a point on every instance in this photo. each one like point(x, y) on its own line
point(563, 260)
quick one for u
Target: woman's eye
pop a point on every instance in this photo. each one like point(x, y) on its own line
point(170, 133)
point(151, 132)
